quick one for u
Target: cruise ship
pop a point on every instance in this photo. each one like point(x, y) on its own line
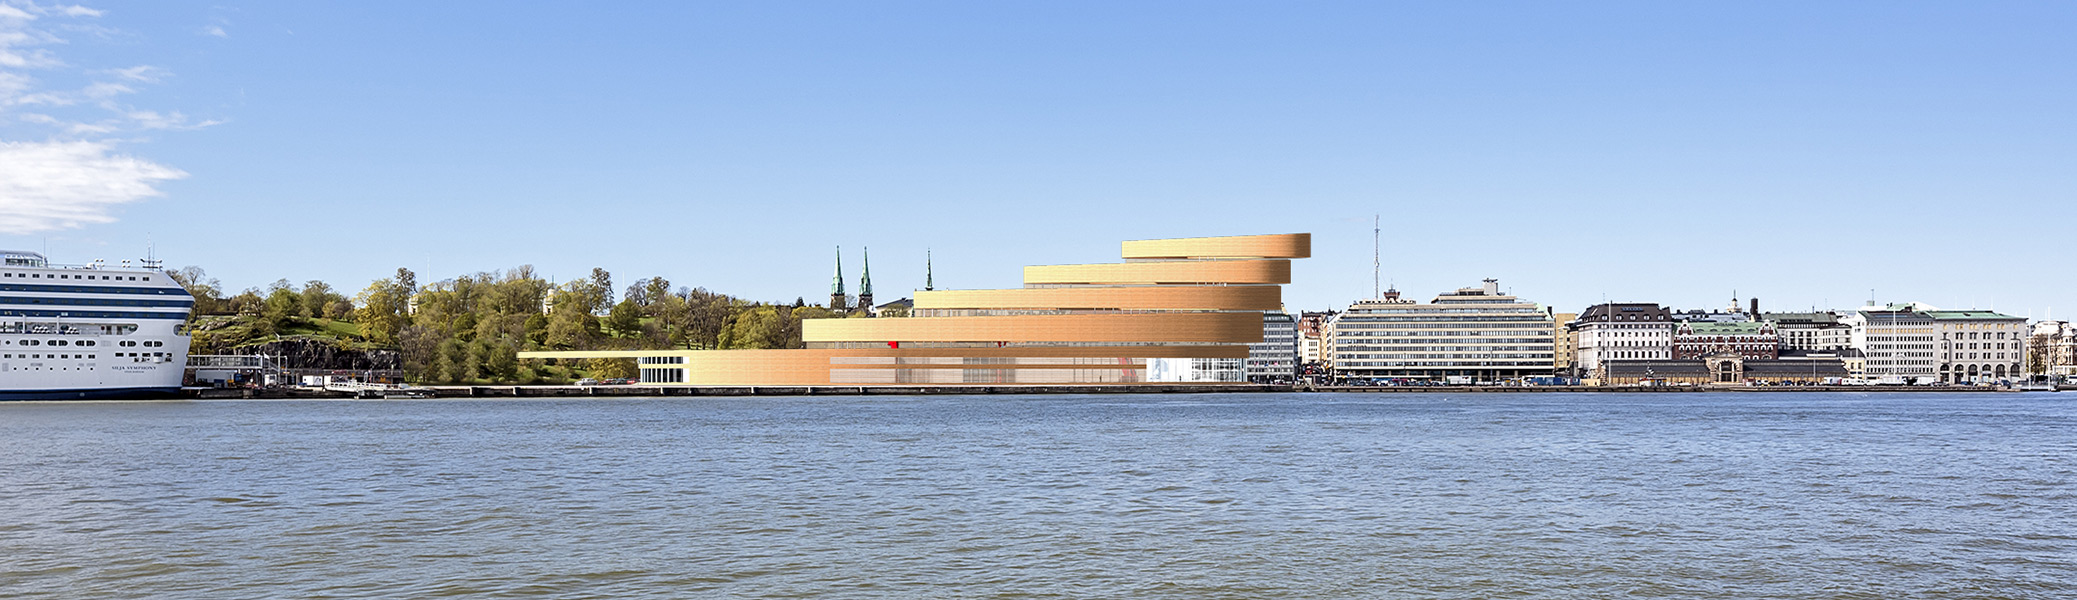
point(92, 331)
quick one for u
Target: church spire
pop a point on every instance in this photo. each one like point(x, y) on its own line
point(865, 283)
point(836, 285)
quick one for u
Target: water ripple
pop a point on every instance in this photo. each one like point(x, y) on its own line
point(1227, 496)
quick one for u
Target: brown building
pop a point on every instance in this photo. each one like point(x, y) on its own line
point(1181, 310)
point(1725, 369)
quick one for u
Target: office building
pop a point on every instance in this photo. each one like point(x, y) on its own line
point(1475, 333)
point(1817, 330)
point(1979, 346)
point(1621, 331)
point(1899, 341)
point(1275, 358)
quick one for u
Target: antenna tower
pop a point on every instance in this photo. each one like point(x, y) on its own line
point(1376, 252)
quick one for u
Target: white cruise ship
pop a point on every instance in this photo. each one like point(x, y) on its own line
point(89, 331)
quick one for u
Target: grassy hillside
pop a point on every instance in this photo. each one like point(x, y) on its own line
point(222, 334)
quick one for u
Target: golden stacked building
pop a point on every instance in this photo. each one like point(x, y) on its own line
point(1177, 310)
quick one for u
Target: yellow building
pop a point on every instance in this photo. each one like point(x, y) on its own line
point(1566, 351)
point(1178, 310)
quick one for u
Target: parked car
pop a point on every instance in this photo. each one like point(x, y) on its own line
point(587, 381)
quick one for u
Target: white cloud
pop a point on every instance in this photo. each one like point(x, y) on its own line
point(76, 177)
point(13, 84)
point(152, 119)
point(61, 185)
point(215, 30)
point(103, 90)
point(143, 73)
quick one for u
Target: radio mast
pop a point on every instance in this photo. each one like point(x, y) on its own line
point(1376, 234)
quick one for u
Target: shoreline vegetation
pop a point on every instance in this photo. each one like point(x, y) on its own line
point(469, 330)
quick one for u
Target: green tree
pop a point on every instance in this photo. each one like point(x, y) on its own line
point(385, 308)
point(316, 295)
point(761, 327)
point(339, 309)
point(500, 361)
point(283, 305)
point(537, 329)
point(207, 292)
point(626, 318)
point(612, 368)
point(567, 331)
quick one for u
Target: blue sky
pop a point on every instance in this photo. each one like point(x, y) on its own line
point(1802, 152)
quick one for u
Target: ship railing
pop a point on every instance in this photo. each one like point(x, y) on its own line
point(144, 265)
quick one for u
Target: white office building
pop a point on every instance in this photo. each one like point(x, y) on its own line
point(1622, 331)
point(1476, 333)
point(1275, 358)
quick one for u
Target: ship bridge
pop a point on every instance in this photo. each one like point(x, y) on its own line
point(17, 258)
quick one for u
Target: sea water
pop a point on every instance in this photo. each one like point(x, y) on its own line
point(1728, 495)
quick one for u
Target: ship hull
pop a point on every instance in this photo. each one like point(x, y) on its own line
point(143, 393)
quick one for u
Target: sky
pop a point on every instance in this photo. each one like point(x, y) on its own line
point(1812, 154)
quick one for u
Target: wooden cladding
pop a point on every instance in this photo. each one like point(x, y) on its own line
point(1286, 245)
point(1177, 272)
point(1112, 321)
point(1231, 328)
point(818, 366)
point(1263, 297)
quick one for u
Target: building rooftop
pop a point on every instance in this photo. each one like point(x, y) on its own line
point(1967, 314)
point(1624, 312)
point(1802, 318)
point(1731, 328)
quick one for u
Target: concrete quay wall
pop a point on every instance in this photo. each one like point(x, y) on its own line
point(558, 391)
point(603, 391)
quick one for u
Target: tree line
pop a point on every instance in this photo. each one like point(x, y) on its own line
point(470, 329)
